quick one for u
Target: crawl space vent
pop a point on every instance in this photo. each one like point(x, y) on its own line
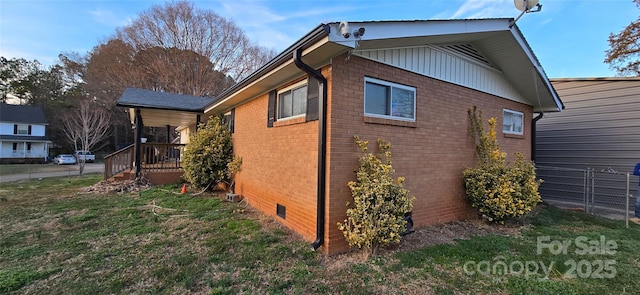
point(281, 211)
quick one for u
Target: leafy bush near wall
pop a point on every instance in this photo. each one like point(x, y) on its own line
point(498, 190)
point(208, 153)
point(376, 216)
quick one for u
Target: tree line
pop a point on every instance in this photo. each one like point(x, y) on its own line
point(174, 47)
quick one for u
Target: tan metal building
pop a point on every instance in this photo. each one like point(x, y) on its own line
point(600, 127)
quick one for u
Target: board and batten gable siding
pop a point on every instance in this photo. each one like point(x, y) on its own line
point(469, 70)
point(599, 128)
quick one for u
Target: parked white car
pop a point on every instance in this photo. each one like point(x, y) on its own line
point(64, 159)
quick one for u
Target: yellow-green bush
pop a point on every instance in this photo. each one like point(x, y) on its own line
point(498, 190)
point(208, 153)
point(376, 216)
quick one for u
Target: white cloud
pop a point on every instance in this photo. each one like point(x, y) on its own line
point(109, 18)
point(277, 26)
point(485, 8)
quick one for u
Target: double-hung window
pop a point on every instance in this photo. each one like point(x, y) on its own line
point(22, 129)
point(512, 122)
point(292, 101)
point(389, 100)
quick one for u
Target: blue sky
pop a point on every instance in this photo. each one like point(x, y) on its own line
point(569, 37)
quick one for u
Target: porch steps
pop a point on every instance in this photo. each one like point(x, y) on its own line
point(122, 176)
point(154, 177)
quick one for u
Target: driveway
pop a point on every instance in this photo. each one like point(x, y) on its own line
point(72, 170)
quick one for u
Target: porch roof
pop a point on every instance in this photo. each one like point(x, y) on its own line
point(161, 108)
point(26, 138)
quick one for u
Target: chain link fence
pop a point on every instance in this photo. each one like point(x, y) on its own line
point(603, 192)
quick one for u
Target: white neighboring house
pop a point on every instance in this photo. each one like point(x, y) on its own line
point(23, 134)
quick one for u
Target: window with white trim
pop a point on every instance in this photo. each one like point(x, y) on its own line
point(22, 129)
point(512, 122)
point(389, 100)
point(292, 101)
point(229, 119)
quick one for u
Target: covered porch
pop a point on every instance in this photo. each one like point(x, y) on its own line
point(159, 162)
point(18, 149)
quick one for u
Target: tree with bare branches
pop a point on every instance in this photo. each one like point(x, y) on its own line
point(624, 53)
point(181, 26)
point(86, 127)
point(173, 47)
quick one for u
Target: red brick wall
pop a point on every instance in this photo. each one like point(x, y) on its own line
point(279, 165)
point(431, 154)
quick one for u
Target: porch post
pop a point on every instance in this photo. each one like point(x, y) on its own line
point(168, 134)
point(137, 160)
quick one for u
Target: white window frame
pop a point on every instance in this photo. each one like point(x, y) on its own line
point(513, 114)
point(22, 129)
point(226, 118)
point(291, 88)
point(391, 86)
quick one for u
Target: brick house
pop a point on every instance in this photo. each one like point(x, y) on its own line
point(408, 82)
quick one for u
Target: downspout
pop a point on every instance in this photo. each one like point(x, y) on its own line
point(322, 146)
point(533, 136)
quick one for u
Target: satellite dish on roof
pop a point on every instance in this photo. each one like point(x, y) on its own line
point(524, 5)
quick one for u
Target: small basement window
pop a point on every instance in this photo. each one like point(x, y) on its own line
point(389, 100)
point(512, 122)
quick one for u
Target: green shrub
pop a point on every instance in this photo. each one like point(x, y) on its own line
point(208, 154)
point(379, 202)
point(498, 190)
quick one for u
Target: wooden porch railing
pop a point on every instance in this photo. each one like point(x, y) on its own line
point(154, 157)
point(119, 161)
point(161, 156)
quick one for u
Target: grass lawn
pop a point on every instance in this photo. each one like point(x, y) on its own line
point(56, 240)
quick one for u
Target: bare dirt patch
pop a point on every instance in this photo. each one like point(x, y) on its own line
point(447, 233)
